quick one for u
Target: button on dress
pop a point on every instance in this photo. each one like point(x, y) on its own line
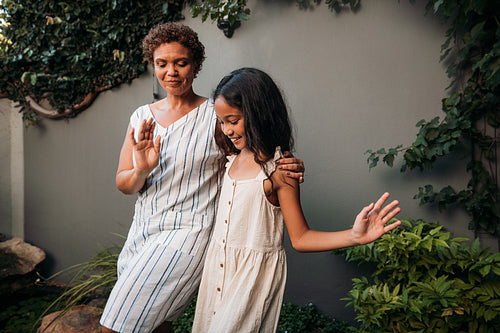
point(245, 269)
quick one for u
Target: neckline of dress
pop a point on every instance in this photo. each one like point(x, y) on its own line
point(184, 116)
point(235, 181)
point(257, 177)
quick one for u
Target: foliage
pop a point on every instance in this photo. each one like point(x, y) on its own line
point(94, 278)
point(184, 323)
point(7, 261)
point(22, 300)
point(21, 316)
point(61, 55)
point(232, 12)
point(227, 14)
point(98, 275)
point(65, 51)
point(293, 319)
point(306, 318)
point(472, 52)
point(426, 281)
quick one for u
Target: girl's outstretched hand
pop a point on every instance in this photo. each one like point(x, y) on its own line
point(370, 222)
point(146, 151)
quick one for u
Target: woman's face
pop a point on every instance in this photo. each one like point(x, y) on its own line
point(174, 68)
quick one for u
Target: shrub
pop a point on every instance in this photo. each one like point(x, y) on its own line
point(426, 282)
point(293, 319)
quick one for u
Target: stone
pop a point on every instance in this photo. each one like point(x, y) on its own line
point(18, 257)
point(79, 319)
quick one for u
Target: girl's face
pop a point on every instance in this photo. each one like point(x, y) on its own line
point(231, 121)
point(173, 64)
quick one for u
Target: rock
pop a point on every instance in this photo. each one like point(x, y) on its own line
point(18, 257)
point(79, 319)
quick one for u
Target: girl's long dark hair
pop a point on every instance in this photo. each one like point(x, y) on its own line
point(265, 114)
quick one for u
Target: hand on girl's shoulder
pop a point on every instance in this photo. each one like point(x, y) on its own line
point(281, 179)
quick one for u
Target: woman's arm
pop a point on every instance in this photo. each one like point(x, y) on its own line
point(130, 179)
point(366, 228)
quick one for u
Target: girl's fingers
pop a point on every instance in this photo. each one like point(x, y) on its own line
point(389, 207)
point(368, 210)
point(392, 226)
point(386, 218)
point(381, 200)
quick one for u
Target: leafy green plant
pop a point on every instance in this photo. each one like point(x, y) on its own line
point(293, 319)
point(64, 53)
point(56, 57)
point(426, 281)
point(229, 14)
point(21, 316)
point(306, 318)
point(471, 113)
point(94, 278)
point(184, 323)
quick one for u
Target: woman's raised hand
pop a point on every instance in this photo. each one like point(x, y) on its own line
point(146, 151)
point(370, 222)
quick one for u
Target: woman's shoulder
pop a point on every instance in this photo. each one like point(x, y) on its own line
point(141, 113)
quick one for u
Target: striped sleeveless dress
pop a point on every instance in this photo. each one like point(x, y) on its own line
point(160, 265)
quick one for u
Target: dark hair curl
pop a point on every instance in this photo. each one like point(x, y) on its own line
point(174, 32)
point(265, 114)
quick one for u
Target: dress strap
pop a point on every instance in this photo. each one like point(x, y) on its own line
point(230, 160)
point(270, 165)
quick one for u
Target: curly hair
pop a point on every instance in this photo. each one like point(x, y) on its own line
point(174, 32)
point(265, 114)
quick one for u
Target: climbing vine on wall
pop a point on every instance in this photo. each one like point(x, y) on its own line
point(58, 55)
point(471, 113)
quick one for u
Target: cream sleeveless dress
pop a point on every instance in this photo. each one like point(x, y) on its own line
point(245, 268)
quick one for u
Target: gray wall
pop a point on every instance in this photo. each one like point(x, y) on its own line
point(353, 81)
point(5, 153)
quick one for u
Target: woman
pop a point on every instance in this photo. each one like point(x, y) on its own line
point(170, 158)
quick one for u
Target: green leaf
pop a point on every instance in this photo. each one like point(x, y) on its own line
point(477, 29)
point(389, 160)
point(437, 4)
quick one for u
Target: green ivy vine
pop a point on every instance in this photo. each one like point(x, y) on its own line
point(471, 113)
point(56, 57)
point(63, 53)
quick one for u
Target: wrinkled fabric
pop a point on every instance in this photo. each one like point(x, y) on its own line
point(245, 269)
point(160, 265)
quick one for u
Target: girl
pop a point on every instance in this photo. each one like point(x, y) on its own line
point(245, 269)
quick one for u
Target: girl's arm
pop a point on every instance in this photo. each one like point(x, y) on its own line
point(365, 230)
point(130, 179)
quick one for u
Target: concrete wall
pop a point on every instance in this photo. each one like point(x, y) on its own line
point(5, 157)
point(353, 81)
point(11, 171)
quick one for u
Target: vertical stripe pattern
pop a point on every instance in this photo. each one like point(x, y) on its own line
point(160, 265)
